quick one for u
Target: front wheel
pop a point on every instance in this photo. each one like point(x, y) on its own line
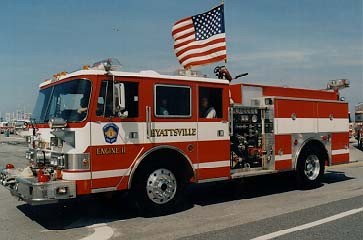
point(310, 168)
point(161, 186)
point(158, 189)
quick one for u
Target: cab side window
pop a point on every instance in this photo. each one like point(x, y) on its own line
point(172, 101)
point(105, 99)
point(210, 102)
point(132, 99)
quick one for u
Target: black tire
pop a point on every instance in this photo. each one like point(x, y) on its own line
point(153, 177)
point(310, 168)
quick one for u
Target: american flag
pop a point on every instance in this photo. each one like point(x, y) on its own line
point(200, 39)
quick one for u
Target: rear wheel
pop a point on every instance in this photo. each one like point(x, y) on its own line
point(310, 168)
point(158, 189)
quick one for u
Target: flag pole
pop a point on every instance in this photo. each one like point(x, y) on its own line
point(225, 60)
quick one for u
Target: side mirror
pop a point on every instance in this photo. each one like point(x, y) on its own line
point(118, 98)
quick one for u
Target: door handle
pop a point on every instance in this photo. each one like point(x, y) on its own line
point(148, 122)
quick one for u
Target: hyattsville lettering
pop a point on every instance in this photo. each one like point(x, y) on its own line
point(176, 132)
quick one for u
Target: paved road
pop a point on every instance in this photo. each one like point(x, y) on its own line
point(286, 225)
point(229, 210)
point(12, 150)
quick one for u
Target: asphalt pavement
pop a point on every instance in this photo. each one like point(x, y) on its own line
point(350, 227)
point(258, 208)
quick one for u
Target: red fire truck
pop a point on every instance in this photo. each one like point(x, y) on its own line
point(6, 128)
point(100, 129)
point(3, 127)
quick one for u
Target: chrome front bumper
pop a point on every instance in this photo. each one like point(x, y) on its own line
point(35, 193)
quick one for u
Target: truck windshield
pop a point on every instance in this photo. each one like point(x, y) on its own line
point(67, 100)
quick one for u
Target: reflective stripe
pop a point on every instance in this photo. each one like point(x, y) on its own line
point(339, 151)
point(202, 131)
point(95, 174)
point(110, 173)
point(126, 172)
point(76, 175)
point(310, 125)
point(283, 157)
point(335, 125)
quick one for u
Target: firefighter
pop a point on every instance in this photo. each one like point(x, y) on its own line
point(207, 111)
point(82, 111)
point(163, 109)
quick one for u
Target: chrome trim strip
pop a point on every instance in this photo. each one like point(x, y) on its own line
point(213, 179)
point(99, 190)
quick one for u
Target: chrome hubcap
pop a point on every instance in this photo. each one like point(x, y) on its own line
point(312, 167)
point(161, 186)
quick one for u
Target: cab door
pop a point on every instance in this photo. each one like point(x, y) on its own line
point(114, 139)
point(213, 133)
point(173, 120)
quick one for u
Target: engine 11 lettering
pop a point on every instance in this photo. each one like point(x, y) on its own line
point(114, 150)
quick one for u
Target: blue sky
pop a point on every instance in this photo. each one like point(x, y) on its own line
point(301, 43)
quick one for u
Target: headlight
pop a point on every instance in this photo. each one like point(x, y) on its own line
point(42, 157)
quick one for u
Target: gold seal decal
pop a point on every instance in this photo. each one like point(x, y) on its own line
point(175, 132)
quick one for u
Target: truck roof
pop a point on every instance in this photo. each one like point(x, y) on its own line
point(143, 74)
point(268, 90)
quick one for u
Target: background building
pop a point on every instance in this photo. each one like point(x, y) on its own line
point(359, 113)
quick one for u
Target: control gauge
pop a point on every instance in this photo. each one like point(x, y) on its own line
point(254, 118)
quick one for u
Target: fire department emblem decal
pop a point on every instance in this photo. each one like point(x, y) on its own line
point(110, 132)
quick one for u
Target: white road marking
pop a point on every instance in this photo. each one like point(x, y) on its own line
point(309, 225)
point(101, 232)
